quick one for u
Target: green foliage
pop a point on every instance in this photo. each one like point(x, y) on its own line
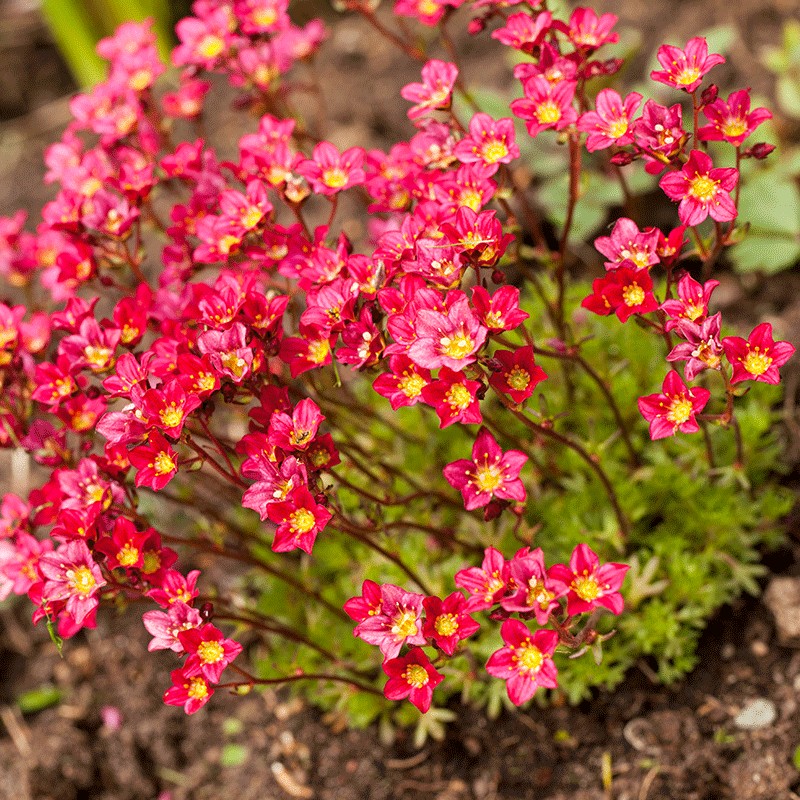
point(694, 545)
point(40, 698)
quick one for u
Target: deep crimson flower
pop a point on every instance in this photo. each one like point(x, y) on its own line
point(191, 692)
point(209, 652)
point(674, 408)
point(125, 546)
point(758, 357)
point(490, 473)
point(623, 291)
point(685, 69)
point(447, 622)
point(525, 662)
point(702, 190)
point(412, 676)
point(590, 584)
point(518, 374)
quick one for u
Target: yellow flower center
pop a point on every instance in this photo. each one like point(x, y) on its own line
point(703, 188)
point(494, 150)
point(151, 562)
point(488, 477)
point(171, 416)
point(98, 357)
point(518, 379)
point(302, 521)
point(619, 127)
point(251, 217)
point(427, 8)
point(416, 676)
point(680, 410)
point(81, 580)
point(529, 658)
point(128, 555)
point(164, 463)
point(756, 362)
point(537, 593)
point(196, 688)
point(318, 350)
point(335, 178)
point(458, 396)
point(734, 127)
point(633, 295)
point(548, 112)
point(140, 80)
point(264, 17)
point(411, 384)
point(446, 624)
point(405, 624)
point(94, 492)
point(210, 652)
point(687, 75)
point(471, 198)
point(210, 46)
point(458, 346)
point(705, 352)
point(586, 586)
point(232, 362)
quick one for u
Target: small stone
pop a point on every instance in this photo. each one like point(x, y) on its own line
point(759, 713)
point(759, 649)
point(783, 600)
point(728, 651)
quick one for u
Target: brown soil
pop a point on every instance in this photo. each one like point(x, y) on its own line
point(643, 742)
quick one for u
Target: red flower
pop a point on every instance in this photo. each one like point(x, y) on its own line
point(403, 385)
point(590, 584)
point(624, 291)
point(209, 652)
point(300, 518)
point(525, 662)
point(733, 121)
point(702, 190)
point(610, 123)
point(412, 676)
point(518, 375)
point(674, 409)
point(491, 473)
point(447, 621)
point(191, 692)
point(487, 583)
point(454, 398)
point(156, 462)
point(684, 69)
point(758, 357)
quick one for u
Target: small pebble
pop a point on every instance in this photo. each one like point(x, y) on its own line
point(728, 651)
point(759, 649)
point(756, 714)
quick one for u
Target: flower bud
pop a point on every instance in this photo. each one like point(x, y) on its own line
point(760, 150)
point(498, 276)
point(207, 611)
point(709, 94)
point(623, 158)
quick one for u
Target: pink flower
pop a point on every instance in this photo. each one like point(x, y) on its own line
point(610, 123)
point(174, 587)
point(588, 31)
point(330, 172)
point(191, 692)
point(628, 243)
point(435, 91)
point(546, 105)
point(684, 69)
point(692, 301)
point(702, 190)
point(490, 473)
point(487, 583)
point(733, 121)
point(525, 662)
point(367, 604)
point(300, 518)
point(659, 134)
point(70, 573)
point(536, 588)
point(412, 676)
point(164, 626)
point(296, 432)
point(447, 622)
point(490, 141)
point(758, 357)
point(209, 652)
point(702, 349)
point(523, 32)
point(674, 408)
point(591, 585)
point(398, 623)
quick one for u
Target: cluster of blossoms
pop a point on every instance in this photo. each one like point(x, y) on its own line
point(123, 394)
point(394, 620)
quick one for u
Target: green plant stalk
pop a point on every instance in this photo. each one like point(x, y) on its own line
point(75, 36)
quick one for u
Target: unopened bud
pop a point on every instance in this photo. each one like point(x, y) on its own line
point(709, 94)
point(498, 276)
point(207, 611)
point(623, 158)
point(760, 150)
point(492, 511)
point(476, 26)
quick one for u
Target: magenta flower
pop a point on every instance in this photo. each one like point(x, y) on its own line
point(518, 374)
point(330, 172)
point(628, 243)
point(491, 473)
point(447, 621)
point(610, 123)
point(300, 518)
point(164, 626)
point(733, 121)
point(536, 589)
point(398, 623)
point(702, 349)
point(587, 31)
point(660, 135)
point(367, 604)
point(191, 692)
point(590, 584)
point(674, 408)
point(487, 583)
point(209, 652)
point(684, 69)
point(523, 32)
point(758, 357)
point(490, 142)
point(526, 662)
point(702, 190)
point(692, 301)
point(403, 385)
point(546, 105)
point(413, 677)
point(454, 397)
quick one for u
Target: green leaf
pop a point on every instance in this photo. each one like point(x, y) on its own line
point(234, 755)
point(39, 699)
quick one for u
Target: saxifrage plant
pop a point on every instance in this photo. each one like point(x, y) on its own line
point(366, 440)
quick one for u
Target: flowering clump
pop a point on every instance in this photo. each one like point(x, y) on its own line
point(208, 339)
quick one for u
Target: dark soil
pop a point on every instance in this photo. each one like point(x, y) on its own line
point(110, 737)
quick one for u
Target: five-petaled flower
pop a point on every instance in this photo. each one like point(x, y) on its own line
point(685, 69)
point(412, 676)
point(758, 357)
point(674, 408)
